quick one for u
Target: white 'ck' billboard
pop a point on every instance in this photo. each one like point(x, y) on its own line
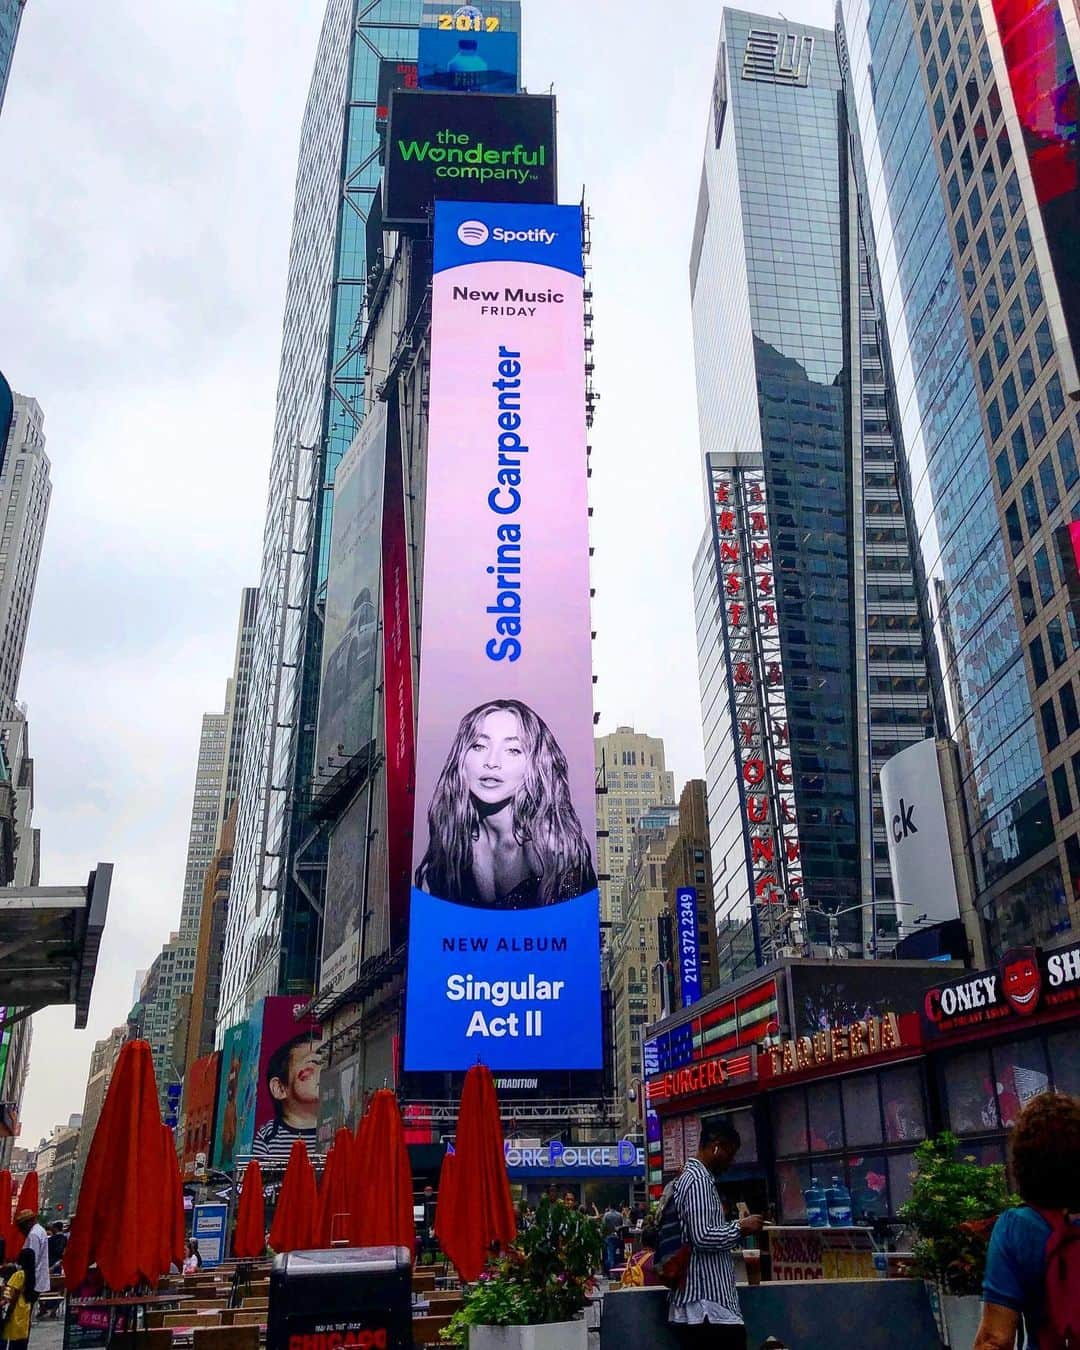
point(920, 858)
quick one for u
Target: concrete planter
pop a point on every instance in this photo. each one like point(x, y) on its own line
point(554, 1336)
point(962, 1314)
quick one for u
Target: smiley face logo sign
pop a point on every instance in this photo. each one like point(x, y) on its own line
point(1021, 980)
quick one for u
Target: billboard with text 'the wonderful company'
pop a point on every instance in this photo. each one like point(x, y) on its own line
point(504, 943)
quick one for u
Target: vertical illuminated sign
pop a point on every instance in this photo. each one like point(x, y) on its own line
point(689, 959)
point(504, 942)
point(1037, 44)
point(755, 672)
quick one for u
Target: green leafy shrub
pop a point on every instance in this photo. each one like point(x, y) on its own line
point(954, 1205)
point(544, 1277)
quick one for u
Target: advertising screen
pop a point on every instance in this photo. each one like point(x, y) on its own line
point(287, 1090)
point(1041, 68)
point(918, 835)
point(466, 147)
point(351, 628)
point(393, 74)
point(233, 1054)
point(504, 946)
point(689, 960)
point(468, 63)
point(200, 1098)
point(398, 688)
point(342, 901)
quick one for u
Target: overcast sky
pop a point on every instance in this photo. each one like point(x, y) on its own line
point(149, 152)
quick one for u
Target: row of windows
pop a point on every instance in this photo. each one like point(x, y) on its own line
point(1070, 475)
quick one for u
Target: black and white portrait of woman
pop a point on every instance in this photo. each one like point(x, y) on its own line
point(502, 829)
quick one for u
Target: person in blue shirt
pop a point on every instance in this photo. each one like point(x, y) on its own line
point(1045, 1148)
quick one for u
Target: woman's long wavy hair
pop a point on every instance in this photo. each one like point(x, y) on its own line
point(544, 815)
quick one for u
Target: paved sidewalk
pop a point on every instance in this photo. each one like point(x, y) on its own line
point(47, 1334)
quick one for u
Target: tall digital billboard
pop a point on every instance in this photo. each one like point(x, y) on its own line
point(351, 626)
point(466, 147)
point(504, 944)
point(1040, 63)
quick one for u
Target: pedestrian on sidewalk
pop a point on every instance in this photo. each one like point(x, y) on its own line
point(16, 1300)
point(1033, 1263)
point(611, 1224)
point(37, 1240)
point(705, 1309)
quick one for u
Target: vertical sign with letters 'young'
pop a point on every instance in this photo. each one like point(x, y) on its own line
point(504, 933)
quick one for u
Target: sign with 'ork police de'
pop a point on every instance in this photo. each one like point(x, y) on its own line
point(1027, 982)
point(466, 147)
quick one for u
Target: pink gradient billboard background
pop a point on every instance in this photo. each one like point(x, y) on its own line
point(522, 295)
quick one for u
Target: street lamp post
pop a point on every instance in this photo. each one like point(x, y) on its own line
point(833, 916)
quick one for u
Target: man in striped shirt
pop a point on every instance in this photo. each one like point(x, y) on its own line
point(706, 1308)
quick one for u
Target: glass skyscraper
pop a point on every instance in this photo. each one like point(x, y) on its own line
point(10, 17)
point(991, 439)
point(809, 633)
point(280, 858)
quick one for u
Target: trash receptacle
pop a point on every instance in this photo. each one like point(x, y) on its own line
point(345, 1298)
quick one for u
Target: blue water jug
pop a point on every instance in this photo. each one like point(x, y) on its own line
point(817, 1212)
point(838, 1203)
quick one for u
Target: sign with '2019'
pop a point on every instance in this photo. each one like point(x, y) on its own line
point(504, 932)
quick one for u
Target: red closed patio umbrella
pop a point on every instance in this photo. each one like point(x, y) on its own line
point(123, 1208)
point(385, 1216)
point(444, 1205)
point(336, 1192)
point(483, 1212)
point(294, 1219)
point(172, 1228)
point(5, 1209)
point(249, 1239)
point(29, 1198)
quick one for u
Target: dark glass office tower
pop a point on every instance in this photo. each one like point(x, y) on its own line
point(272, 943)
point(809, 633)
point(985, 373)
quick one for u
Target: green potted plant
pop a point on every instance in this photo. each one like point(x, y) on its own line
point(532, 1296)
point(954, 1205)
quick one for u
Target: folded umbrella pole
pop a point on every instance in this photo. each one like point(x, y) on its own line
point(383, 1209)
point(480, 1214)
point(249, 1237)
point(125, 1220)
point(293, 1226)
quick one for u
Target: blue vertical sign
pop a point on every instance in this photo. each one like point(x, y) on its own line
point(208, 1225)
point(689, 961)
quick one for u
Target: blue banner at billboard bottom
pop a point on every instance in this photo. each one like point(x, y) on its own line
point(510, 989)
point(208, 1225)
point(576, 1161)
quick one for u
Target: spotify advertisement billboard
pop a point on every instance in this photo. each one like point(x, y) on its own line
point(504, 940)
point(466, 147)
